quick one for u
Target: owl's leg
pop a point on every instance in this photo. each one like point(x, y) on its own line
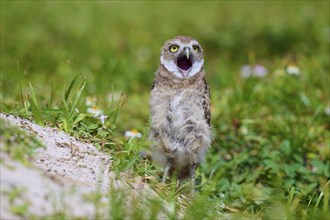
point(167, 168)
point(192, 170)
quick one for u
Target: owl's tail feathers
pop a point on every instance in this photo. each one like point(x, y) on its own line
point(145, 155)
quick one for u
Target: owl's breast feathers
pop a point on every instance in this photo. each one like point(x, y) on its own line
point(163, 85)
point(180, 120)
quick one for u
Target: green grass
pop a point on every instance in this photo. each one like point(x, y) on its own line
point(270, 155)
point(17, 144)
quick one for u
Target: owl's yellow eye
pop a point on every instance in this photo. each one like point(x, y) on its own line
point(174, 48)
point(196, 48)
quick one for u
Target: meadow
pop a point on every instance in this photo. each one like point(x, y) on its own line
point(267, 64)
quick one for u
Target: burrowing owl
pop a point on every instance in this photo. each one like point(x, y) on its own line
point(180, 108)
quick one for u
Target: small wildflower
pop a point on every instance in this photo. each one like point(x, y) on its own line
point(292, 70)
point(256, 71)
point(260, 71)
point(133, 134)
point(246, 71)
point(90, 101)
point(95, 111)
point(244, 130)
point(102, 118)
point(222, 205)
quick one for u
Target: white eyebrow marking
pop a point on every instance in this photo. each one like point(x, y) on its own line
point(177, 42)
point(190, 44)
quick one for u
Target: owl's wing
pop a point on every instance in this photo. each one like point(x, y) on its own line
point(206, 103)
point(153, 84)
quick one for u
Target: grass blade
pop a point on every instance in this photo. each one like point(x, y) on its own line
point(68, 91)
point(121, 102)
point(77, 97)
point(33, 95)
point(51, 97)
point(36, 111)
point(21, 92)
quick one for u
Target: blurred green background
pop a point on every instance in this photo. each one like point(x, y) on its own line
point(118, 43)
point(272, 130)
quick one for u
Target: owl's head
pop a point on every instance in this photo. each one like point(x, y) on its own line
point(182, 56)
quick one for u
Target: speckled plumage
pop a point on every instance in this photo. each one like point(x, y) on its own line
point(180, 109)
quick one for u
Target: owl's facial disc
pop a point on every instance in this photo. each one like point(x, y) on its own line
point(182, 59)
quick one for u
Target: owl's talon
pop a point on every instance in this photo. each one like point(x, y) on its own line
point(167, 168)
point(192, 173)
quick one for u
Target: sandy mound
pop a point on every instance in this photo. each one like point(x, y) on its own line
point(63, 173)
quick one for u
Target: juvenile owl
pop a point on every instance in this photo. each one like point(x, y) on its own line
point(180, 109)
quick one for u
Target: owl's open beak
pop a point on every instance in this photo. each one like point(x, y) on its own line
point(185, 61)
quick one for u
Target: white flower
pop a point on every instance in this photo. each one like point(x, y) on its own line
point(90, 100)
point(244, 130)
point(133, 134)
point(102, 118)
point(246, 71)
point(256, 71)
point(95, 111)
point(293, 70)
point(222, 205)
